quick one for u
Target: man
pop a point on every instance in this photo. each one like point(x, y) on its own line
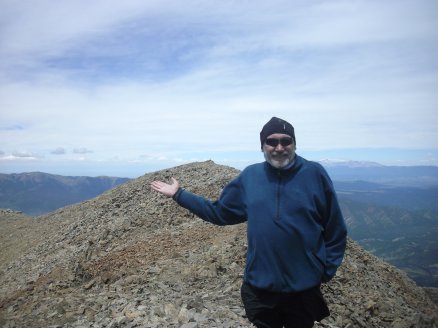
point(296, 231)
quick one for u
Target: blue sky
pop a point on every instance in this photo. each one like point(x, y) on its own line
point(124, 88)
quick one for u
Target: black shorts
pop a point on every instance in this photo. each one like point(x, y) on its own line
point(267, 309)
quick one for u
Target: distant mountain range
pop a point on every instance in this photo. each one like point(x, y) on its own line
point(39, 193)
point(392, 212)
point(404, 197)
point(415, 176)
point(405, 238)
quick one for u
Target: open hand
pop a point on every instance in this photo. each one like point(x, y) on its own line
point(164, 188)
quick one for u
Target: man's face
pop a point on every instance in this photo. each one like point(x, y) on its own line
point(279, 150)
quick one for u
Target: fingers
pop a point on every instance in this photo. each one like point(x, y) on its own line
point(156, 185)
point(160, 184)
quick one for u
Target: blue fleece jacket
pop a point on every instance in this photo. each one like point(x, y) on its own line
point(296, 231)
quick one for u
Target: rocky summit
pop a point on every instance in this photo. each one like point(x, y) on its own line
point(133, 258)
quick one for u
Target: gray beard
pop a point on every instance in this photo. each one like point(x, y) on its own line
point(279, 162)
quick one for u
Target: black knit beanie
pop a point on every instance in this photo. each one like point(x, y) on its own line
point(276, 125)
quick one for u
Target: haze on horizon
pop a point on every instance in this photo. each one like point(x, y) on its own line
point(124, 88)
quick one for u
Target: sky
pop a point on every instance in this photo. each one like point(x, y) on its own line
point(128, 87)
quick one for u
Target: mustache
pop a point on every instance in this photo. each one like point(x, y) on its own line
point(283, 153)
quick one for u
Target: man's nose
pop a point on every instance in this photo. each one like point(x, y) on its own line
point(279, 147)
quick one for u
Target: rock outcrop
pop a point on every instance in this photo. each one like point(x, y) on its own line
point(132, 258)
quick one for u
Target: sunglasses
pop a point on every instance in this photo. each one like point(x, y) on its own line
point(274, 142)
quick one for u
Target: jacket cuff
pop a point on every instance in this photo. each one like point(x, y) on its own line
point(177, 194)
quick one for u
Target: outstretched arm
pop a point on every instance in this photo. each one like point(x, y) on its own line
point(166, 189)
point(227, 210)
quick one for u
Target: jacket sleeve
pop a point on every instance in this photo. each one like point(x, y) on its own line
point(335, 232)
point(228, 209)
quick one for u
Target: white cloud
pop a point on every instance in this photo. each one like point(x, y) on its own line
point(82, 151)
point(23, 154)
point(58, 151)
point(198, 80)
